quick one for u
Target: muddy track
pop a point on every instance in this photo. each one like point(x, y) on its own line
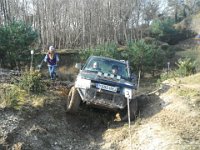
point(51, 127)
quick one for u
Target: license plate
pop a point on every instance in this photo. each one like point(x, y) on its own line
point(106, 87)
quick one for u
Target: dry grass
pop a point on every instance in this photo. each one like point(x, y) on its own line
point(194, 79)
point(38, 102)
point(185, 92)
point(188, 88)
point(17, 146)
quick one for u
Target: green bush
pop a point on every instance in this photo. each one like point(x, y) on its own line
point(12, 96)
point(107, 50)
point(32, 82)
point(186, 67)
point(164, 30)
point(146, 56)
point(162, 27)
point(16, 39)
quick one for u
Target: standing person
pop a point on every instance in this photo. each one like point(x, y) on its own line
point(52, 59)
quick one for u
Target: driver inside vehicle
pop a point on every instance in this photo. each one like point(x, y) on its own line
point(115, 69)
point(95, 66)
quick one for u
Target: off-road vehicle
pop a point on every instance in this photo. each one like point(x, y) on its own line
point(106, 83)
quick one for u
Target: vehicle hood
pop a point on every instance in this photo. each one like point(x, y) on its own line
point(94, 77)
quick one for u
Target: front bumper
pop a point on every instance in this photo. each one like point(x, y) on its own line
point(103, 98)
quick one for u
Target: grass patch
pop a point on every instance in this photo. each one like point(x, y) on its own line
point(31, 82)
point(12, 96)
point(194, 79)
point(38, 101)
point(185, 92)
point(188, 92)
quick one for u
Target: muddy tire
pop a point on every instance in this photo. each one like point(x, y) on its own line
point(133, 111)
point(73, 100)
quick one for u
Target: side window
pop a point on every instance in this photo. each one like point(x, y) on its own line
point(124, 71)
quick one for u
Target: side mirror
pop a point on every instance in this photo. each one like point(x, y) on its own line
point(78, 66)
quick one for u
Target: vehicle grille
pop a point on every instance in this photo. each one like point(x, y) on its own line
point(107, 99)
point(104, 96)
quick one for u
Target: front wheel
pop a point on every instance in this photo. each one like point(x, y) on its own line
point(133, 111)
point(73, 100)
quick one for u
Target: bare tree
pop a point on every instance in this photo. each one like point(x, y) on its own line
point(86, 23)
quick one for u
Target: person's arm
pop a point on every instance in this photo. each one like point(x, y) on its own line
point(45, 58)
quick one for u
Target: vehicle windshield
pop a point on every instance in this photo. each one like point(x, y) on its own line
point(107, 66)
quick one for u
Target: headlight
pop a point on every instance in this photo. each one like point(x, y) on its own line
point(82, 83)
point(128, 93)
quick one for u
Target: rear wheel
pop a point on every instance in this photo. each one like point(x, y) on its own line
point(73, 100)
point(133, 111)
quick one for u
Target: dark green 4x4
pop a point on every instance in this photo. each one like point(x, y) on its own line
point(106, 83)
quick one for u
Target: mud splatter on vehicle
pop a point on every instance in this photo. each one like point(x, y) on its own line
point(106, 83)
